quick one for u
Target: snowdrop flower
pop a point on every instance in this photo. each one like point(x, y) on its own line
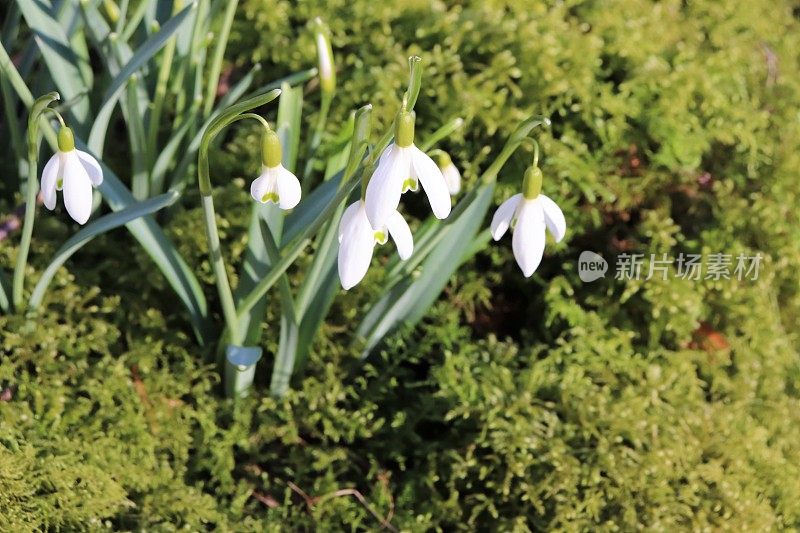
point(452, 176)
point(357, 240)
point(402, 167)
point(529, 212)
point(275, 184)
point(327, 72)
point(74, 172)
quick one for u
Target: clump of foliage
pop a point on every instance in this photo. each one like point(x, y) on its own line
point(515, 405)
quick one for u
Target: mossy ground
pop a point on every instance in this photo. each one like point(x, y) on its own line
point(516, 404)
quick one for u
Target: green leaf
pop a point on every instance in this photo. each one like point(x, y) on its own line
point(288, 129)
point(221, 41)
point(321, 281)
point(145, 230)
point(61, 60)
point(307, 210)
point(407, 302)
point(290, 253)
point(140, 57)
point(288, 124)
point(179, 180)
point(150, 235)
point(99, 226)
point(139, 177)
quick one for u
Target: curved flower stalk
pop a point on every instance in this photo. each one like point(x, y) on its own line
point(275, 184)
point(357, 240)
point(237, 377)
point(529, 213)
point(75, 173)
point(38, 108)
point(402, 167)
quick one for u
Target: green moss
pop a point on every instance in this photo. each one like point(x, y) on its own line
point(515, 405)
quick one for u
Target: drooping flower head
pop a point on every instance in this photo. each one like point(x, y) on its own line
point(452, 176)
point(357, 239)
point(529, 213)
point(275, 184)
point(74, 172)
point(402, 167)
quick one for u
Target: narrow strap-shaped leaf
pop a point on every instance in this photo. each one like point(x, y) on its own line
point(142, 55)
point(179, 176)
point(290, 252)
point(15, 133)
point(407, 302)
point(61, 60)
point(283, 367)
point(145, 230)
point(220, 43)
point(70, 19)
point(288, 129)
point(140, 186)
point(308, 209)
point(256, 264)
point(95, 228)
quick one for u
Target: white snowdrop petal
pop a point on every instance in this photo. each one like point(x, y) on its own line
point(92, 167)
point(325, 60)
point(347, 217)
point(401, 235)
point(262, 185)
point(386, 153)
point(529, 239)
point(355, 251)
point(288, 188)
point(385, 186)
point(453, 179)
point(429, 175)
point(553, 217)
point(502, 217)
point(50, 176)
point(77, 189)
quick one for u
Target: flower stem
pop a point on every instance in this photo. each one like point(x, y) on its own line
point(27, 232)
point(32, 188)
point(220, 274)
